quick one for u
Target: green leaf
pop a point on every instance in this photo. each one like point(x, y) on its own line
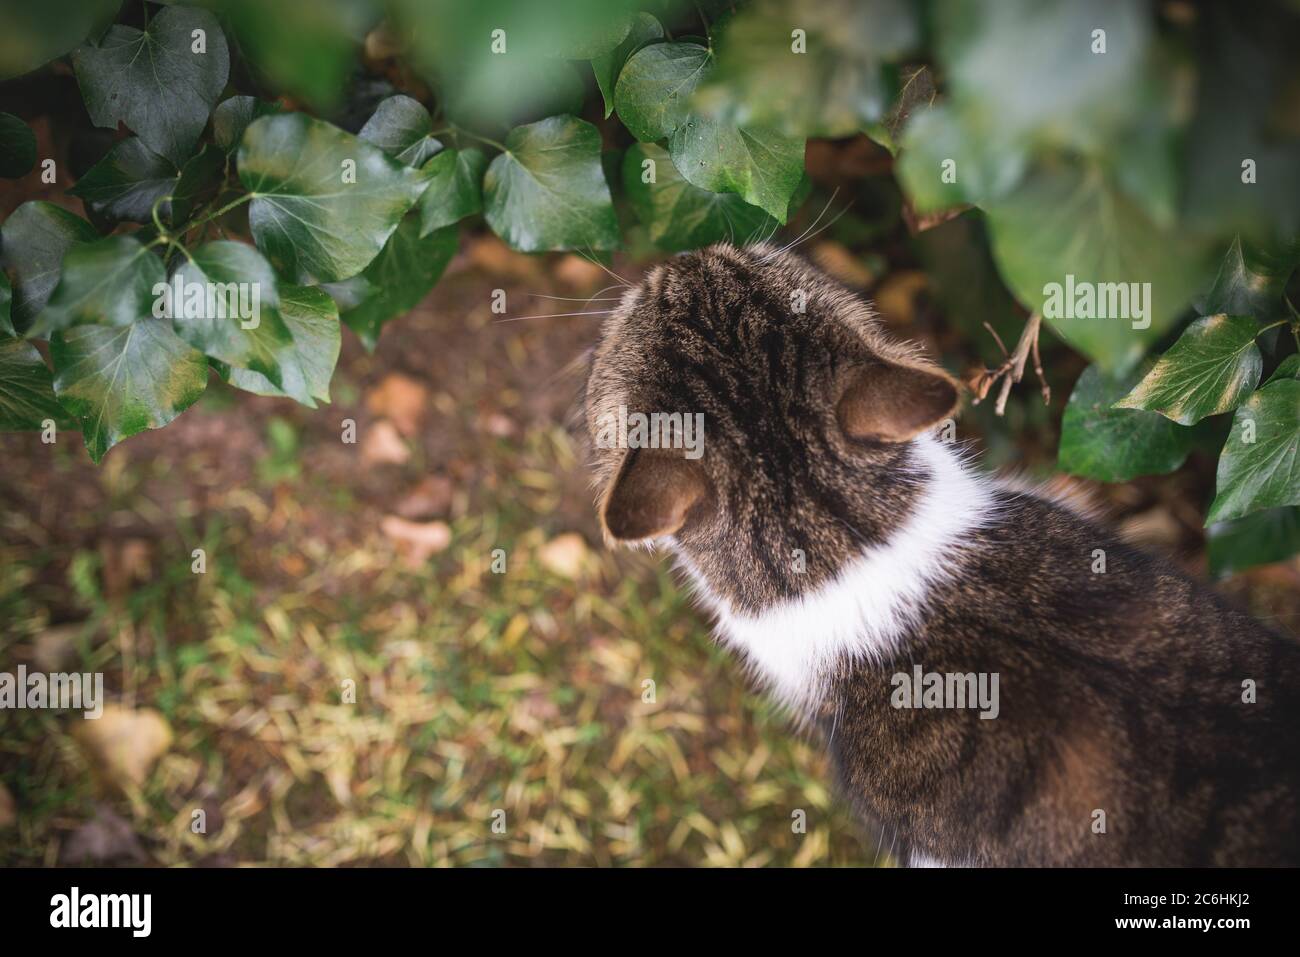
point(201, 178)
point(680, 216)
point(655, 85)
point(26, 389)
point(941, 167)
point(121, 380)
point(241, 325)
point(1250, 283)
point(762, 166)
point(455, 190)
point(110, 282)
point(1260, 538)
point(1101, 442)
point(1210, 369)
point(1288, 368)
point(837, 84)
point(644, 29)
point(1260, 464)
point(312, 225)
point(32, 34)
point(307, 366)
point(232, 116)
point(548, 191)
point(17, 147)
point(1066, 226)
point(34, 240)
point(6, 302)
point(401, 127)
point(154, 81)
point(398, 279)
point(124, 185)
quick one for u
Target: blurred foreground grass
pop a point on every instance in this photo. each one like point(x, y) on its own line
point(475, 692)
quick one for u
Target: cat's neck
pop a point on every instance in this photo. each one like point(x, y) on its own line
point(864, 612)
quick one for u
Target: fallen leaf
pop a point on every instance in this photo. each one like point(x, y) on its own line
point(122, 745)
point(53, 648)
point(107, 837)
point(402, 399)
point(416, 541)
point(896, 297)
point(126, 563)
point(579, 274)
point(429, 498)
point(8, 808)
point(382, 445)
point(838, 261)
point(565, 555)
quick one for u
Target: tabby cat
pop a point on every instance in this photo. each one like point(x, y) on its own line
point(1115, 711)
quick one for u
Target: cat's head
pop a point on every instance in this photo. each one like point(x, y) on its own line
point(808, 413)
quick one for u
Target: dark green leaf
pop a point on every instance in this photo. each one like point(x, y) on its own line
point(201, 178)
point(1257, 539)
point(401, 127)
point(1101, 442)
point(645, 29)
point(26, 389)
point(307, 366)
point(455, 191)
point(6, 303)
point(32, 34)
point(232, 116)
point(655, 85)
point(109, 282)
point(34, 240)
point(1260, 464)
point(680, 216)
point(1288, 368)
point(762, 166)
point(1249, 283)
point(1066, 227)
point(126, 183)
point(398, 279)
point(1210, 369)
point(17, 147)
point(311, 224)
point(548, 191)
point(121, 380)
point(241, 325)
point(154, 81)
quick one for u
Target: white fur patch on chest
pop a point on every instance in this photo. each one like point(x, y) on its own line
point(863, 613)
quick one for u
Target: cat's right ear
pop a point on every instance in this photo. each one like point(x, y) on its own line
point(654, 494)
point(893, 402)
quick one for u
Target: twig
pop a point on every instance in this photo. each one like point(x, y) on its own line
point(1012, 370)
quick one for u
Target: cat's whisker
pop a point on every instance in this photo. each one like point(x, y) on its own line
point(538, 295)
point(811, 226)
point(591, 258)
point(560, 315)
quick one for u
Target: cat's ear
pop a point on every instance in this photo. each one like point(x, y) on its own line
point(652, 495)
point(894, 402)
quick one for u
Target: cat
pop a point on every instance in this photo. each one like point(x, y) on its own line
point(868, 574)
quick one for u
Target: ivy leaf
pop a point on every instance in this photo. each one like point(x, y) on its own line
point(34, 240)
point(762, 166)
point(17, 147)
point(1249, 284)
point(33, 34)
point(306, 366)
point(548, 190)
point(26, 389)
point(401, 127)
point(232, 116)
point(1210, 369)
point(941, 167)
point(153, 81)
point(655, 85)
point(1259, 466)
point(1288, 368)
point(397, 280)
point(201, 177)
point(124, 185)
point(6, 302)
point(1067, 222)
point(121, 380)
point(644, 29)
point(1099, 441)
point(455, 191)
point(109, 282)
point(1260, 538)
point(311, 224)
point(241, 326)
point(681, 216)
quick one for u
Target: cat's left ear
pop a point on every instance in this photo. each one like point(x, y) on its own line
point(654, 494)
point(892, 402)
